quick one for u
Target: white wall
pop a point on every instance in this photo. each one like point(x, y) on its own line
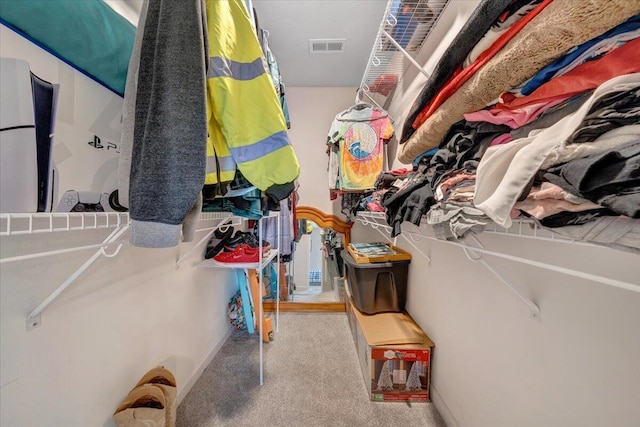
point(124, 315)
point(312, 110)
point(494, 366)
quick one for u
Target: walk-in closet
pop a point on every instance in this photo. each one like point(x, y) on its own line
point(320, 213)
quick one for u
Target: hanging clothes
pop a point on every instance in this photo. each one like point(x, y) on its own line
point(247, 128)
point(286, 229)
point(169, 133)
point(276, 77)
point(356, 147)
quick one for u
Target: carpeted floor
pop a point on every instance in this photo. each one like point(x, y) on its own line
point(312, 378)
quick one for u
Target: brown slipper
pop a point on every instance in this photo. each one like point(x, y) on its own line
point(163, 378)
point(143, 406)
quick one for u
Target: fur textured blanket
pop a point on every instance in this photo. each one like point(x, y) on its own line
point(560, 26)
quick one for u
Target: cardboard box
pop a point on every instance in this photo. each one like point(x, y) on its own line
point(394, 354)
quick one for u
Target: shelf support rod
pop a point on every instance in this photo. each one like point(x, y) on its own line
point(222, 225)
point(59, 251)
point(260, 310)
point(280, 248)
point(406, 54)
point(534, 310)
point(376, 226)
point(33, 319)
point(425, 256)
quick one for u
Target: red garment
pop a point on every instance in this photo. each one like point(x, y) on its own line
point(384, 84)
point(399, 171)
point(591, 74)
point(458, 80)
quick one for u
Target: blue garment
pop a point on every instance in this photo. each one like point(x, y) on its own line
point(429, 153)
point(276, 77)
point(548, 72)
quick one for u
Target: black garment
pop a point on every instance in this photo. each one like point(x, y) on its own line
point(278, 192)
point(564, 219)
point(350, 203)
point(409, 203)
point(473, 30)
point(462, 148)
point(611, 179)
point(613, 110)
point(386, 179)
point(211, 191)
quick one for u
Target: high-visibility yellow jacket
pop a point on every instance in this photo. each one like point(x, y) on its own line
point(246, 125)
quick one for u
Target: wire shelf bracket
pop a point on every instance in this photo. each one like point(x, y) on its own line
point(222, 225)
point(33, 319)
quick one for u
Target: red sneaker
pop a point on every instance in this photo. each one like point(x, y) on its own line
point(240, 254)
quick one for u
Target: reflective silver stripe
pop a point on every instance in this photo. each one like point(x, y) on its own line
point(260, 148)
point(226, 163)
point(224, 67)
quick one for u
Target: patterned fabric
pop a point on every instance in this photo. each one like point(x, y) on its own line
point(236, 313)
point(359, 133)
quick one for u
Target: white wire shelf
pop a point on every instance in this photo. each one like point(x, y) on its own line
point(14, 224)
point(521, 228)
point(403, 30)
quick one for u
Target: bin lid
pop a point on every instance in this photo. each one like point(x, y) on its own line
point(346, 256)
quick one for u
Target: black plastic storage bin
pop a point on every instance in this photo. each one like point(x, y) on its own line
point(377, 287)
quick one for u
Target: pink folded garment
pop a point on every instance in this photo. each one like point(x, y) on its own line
point(374, 207)
point(513, 118)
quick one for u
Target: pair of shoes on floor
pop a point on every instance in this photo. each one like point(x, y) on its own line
point(217, 242)
point(242, 253)
point(151, 403)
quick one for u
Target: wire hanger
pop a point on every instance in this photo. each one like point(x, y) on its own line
point(360, 92)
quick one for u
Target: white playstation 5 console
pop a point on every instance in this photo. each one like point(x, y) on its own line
point(28, 181)
point(18, 147)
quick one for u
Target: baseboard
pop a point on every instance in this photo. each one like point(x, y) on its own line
point(182, 393)
point(442, 408)
point(286, 306)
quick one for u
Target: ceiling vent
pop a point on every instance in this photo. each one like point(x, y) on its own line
point(326, 45)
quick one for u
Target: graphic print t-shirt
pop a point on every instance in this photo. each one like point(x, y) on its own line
point(359, 136)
